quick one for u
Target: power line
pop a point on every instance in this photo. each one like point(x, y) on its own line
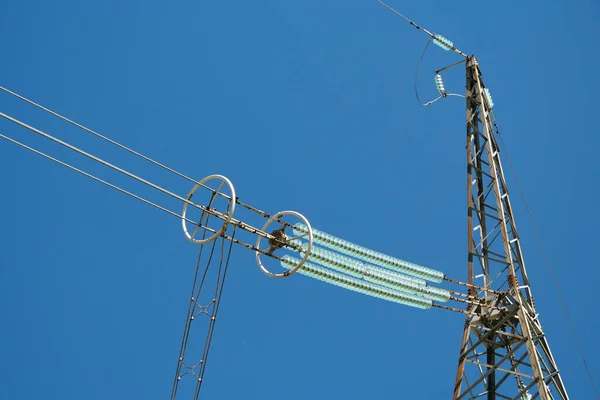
point(95, 178)
point(99, 160)
point(206, 211)
point(136, 153)
point(438, 39)
point(235, 222)
point(97, 134)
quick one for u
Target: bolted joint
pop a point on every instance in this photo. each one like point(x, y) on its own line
point(512, 281)
point(278, 239)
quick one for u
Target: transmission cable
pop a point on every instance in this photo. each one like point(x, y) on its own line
point(138, 154)
point(417, 77)
point(99, 160)
point(442, 95)
point(88, 175)
point(547, 261)
point(205, 229)
point(433, 36)
point(97, 134)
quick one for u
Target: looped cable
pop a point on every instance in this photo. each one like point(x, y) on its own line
point(417, 77)
point(437, 72)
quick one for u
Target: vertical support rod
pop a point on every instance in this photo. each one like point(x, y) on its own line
point(462, 359)
point(470, 250)
point(491, 380)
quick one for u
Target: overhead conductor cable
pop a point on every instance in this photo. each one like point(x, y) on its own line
point(439, 40)
point(138, 154)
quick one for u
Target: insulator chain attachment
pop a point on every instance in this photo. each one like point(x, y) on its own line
point(280, 239)
point(227, 216)
point(277, 239)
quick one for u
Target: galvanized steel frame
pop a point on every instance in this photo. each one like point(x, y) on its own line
point(498, 345)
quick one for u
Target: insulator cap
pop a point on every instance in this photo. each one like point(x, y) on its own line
point(370, 256)
point(488, 98)
point(348, 282)
point(439, 83)
point(442, 42)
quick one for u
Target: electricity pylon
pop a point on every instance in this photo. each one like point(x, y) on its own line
point(504, 352)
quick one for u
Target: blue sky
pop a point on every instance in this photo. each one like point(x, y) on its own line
point(306, 106)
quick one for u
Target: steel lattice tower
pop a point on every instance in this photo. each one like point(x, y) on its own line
point(504, 352)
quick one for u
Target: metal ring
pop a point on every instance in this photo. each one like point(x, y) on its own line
point(306, 253)
point(229, 215)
